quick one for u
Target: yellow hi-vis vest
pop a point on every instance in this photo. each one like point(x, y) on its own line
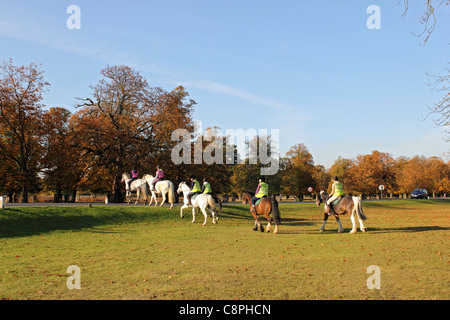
point(338, 189)
point(207, 187)
point(263, 190)
point(196, 187)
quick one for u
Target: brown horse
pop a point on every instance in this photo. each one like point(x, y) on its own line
point(347, 204)
point(265, 207)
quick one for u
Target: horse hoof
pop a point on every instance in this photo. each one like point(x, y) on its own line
point(255, 229)
point(340, 231)
point(353, 231)
point(364, 229)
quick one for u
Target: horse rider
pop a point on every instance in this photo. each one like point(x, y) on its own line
point(195, 188)
point(134, 176)
point(206, 188)
point(261, 192)
point(158, 176)
point(337, 190)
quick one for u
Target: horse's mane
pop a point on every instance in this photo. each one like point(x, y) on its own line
point(251, 193)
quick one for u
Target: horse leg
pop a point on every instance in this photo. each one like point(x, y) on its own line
point(325, 218)
point(361, 226)
point(163, 199)
point(193, 214)
point(181, 210)
point(269, 225)
point(128, 196)
point(338, 220)
point(156, 200)
point(205, 214)
point(258, 224)
point(214, 216)
point(352, 217)
point(138, 194)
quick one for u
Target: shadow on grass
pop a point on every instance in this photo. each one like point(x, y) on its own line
point(19, 222)
point(236, 212)
point(408, 229)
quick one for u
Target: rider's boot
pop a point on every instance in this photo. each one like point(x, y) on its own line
point(331, 213)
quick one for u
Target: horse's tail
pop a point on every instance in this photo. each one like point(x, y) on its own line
point(171, 193)
point(145, 190)
point(212, 204)
point(219, 202)
point(358, 208)
point(275, 211)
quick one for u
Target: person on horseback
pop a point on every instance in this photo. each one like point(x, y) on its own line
point(261, 192)
point(195, 188)
point(134, 176)
point(336, 191)
point(158, 176)
point(206, 189)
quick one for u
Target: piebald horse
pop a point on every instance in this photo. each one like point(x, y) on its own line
point(348, 204)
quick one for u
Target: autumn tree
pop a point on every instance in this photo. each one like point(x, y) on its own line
point(321, 178)
point(431, 174)
point(340, 169)
point(62, 168)
point(299, 171)
point(124, 123)
point(21, 89)
point(369, 171)
point(261, 152)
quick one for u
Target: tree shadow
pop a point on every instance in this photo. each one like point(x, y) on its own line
point(16, 222)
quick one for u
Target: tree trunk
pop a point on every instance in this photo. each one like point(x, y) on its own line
point(24, 194)
point(117, 196)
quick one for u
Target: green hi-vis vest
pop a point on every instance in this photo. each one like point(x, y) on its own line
point(338, 189)
point(263, 190)
point(207, 188)
point(196, 187)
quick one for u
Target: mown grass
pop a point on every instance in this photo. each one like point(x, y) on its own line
point(150, 253)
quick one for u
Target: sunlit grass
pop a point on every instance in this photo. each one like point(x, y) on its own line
point(150, 253)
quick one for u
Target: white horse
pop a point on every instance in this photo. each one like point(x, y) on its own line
point(202, 201)
point(164, 187)
point(138, 185)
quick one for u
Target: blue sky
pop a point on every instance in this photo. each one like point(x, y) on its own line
point(311, 69)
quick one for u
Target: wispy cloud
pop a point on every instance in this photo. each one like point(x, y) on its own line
point(28, 27)
point(228, 90)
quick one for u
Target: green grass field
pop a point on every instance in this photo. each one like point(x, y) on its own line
point(150, 253)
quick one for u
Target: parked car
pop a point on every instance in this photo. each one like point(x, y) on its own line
point(419, 194)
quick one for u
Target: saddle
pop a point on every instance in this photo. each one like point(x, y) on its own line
point(259, 200)
point(335, 202)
